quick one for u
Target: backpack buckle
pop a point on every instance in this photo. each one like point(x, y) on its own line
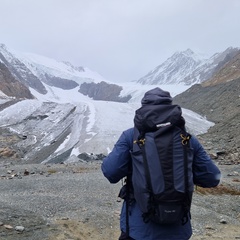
point(140, 142)
point(185, 139)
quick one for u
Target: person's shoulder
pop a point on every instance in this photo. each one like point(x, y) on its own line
point(129, 131)
point(194, 138)
point(128, 135)
point(194, 142)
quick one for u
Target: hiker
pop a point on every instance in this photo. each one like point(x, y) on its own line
point(118, 165)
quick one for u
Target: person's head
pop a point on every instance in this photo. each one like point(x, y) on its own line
point(156, 96)
point(157, 108)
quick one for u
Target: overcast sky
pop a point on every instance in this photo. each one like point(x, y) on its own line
point(120, 39)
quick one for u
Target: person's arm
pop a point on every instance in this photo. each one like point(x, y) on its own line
point(116, 165)
point(205, 172)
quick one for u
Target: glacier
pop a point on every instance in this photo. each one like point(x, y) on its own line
point(66, 123)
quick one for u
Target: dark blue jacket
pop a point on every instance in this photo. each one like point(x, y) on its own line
point(115, 167)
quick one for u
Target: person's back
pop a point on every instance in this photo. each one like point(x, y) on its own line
point(116, 166)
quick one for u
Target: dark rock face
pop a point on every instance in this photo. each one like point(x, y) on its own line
point(23, 74)
point(12, 87)
point(103, 91)
point(221, 104)
point(62, 83)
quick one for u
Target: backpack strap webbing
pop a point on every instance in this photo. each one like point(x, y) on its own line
point(127, 200)
point(185, 142)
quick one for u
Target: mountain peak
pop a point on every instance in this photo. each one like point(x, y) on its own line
point(188, 52)
point(3, 46)
point(193, 54)
point(174, 69)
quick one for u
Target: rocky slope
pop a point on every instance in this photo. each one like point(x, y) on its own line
point(220, 103)
point(12, 87)
point(227, 70)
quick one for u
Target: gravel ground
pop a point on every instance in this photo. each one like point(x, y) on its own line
point(75, 201)
point(46, 194)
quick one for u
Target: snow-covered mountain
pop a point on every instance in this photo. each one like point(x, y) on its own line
point(39, 73)
point(174, 69)
point(46, 68)
point(64, 120)
point(35, 70)
point(19, 70)
point(186, 67)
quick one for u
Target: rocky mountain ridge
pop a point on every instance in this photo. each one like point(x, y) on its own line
point(188, 68)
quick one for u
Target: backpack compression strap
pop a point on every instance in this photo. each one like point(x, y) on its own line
point(185, 142)
point(141, 143)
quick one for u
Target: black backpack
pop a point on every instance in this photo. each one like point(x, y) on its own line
point(162, 164)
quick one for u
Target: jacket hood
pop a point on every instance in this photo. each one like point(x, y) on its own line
point(156, 96)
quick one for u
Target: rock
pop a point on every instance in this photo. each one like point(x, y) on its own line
point(103, 91)
point(90, 157)
point(210, 227)
point(26, 172)
point(100, 156)
point(213, 155)
point(233, 174)
point(223, 221)
point(19, 228)
point(8, 226)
